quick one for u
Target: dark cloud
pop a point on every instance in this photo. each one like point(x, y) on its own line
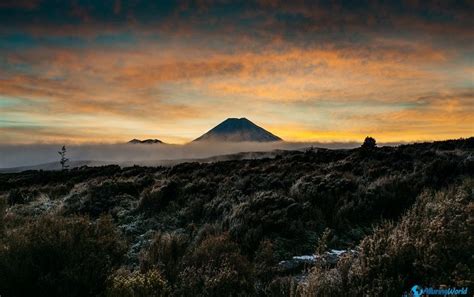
point(284, 17)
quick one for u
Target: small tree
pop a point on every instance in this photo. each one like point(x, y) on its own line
point(369, 143)
point(323, 242)
point(63, 160)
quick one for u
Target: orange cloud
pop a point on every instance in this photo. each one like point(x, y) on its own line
point(176, 91)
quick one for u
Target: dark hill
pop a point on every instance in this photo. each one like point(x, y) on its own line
point(146, 141)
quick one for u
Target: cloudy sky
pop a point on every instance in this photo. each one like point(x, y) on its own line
point(88, 71)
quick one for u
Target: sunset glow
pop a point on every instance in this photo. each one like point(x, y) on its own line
point(85, 72)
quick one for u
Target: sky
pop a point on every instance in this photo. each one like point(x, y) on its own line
point(88, 71)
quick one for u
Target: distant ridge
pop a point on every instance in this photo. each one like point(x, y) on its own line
point(238, 130)
point(146, 141)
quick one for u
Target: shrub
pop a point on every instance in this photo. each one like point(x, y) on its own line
point(431, 245)
point(326, 193)
point(166, 252)
point(101, 198)
point(124, 283)
point(323, 242)
point(325, 282)
point(283, 287)
point(265, 261)
point(3, 206)
point(369, 143)
point(56, 256)
point(263, 214)
point(158, 197)
point(386, 197)
point(17, 196)
point(440, 172)
point(59, 190)
point(216, 268)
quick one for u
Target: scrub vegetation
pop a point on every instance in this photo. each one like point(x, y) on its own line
point(405, 215)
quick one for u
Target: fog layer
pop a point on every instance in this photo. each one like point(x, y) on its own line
point(143, 154)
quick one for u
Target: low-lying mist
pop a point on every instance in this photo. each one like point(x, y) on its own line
point(141, 154)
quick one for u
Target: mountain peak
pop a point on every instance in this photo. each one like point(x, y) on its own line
point(237, 120)
point(238, 130)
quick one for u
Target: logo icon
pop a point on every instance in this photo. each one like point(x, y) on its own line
point(416, 291)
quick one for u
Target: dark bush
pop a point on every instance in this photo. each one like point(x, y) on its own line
point(285, 286)
point(387, 197)
point(369, 143)
point(440, 172)
point(265, 261)
point(56, 256)
point(18, 196)
point(3, 206)
point(159, 196)
point(216, 268)
point(100, 198)
point(57, 191)
point(326, 193)
point(265, 213)
point(166, 252)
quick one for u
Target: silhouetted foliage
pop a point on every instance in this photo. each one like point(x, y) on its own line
point(17, 196)
point(159, 196)
point(57, 256)
point(63, 161)
point(216, 268)
point(369, 143)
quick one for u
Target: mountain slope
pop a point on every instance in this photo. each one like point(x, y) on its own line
point(237, 130)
